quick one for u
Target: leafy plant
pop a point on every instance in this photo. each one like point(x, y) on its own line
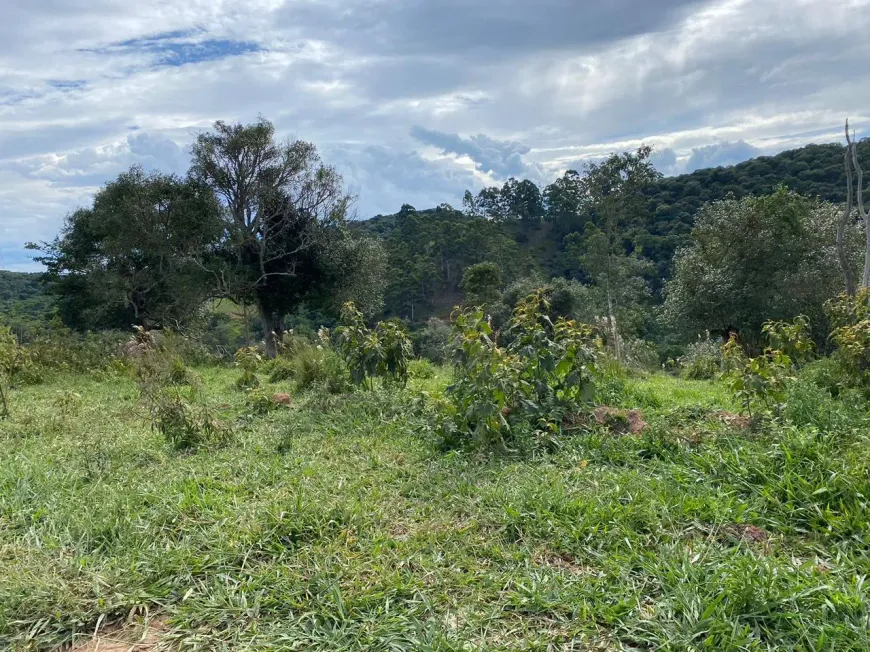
point(793, 338)
point(760, 383)
point(13, 361)
point(319, 366)
point(547, 370)
point(396, 350)
point(702, 360)
point(258, 402)
point(850, 317)
point(184, 419)
point(248, 359)
point(371, 353)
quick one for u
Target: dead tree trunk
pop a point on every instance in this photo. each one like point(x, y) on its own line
point(845, 264)
point(864, 214)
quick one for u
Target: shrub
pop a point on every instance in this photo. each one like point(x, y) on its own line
point(792, 338)
point(62, 350)
point(13, 361)
point(258, 402)
point(172, 395)
point(280, 369)
point(184, 419)
point(371, 353)
point(640, 354)
point(760, 383)
point(433, 340)
point(702, 360)
point(248, 359)
point(421, 369)
point(546, 371)
point(291, 342)
point(850, 318)
point(318, 366)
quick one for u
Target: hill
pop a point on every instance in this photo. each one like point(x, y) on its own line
point(525, 226)
point(23, 302)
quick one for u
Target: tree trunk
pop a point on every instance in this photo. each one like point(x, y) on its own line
point(270, 329)
point(247, 326)
point(852, 148)
point(845, 265)
point(611, 318)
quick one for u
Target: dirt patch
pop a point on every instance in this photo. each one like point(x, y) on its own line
point(744, 532)
point(563, 561)
point(621, 422)
point(737, 421)
point(139, 635)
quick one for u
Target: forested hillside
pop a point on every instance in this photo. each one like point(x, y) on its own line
point(525, 226)
point(23, 301)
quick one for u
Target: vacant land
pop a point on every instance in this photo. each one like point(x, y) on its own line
point(338, 523)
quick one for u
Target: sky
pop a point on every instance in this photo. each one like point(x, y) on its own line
point(414, 101)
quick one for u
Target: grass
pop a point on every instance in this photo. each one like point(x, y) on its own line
point(338, 524)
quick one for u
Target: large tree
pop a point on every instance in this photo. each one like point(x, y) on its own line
point(610, 197)
point(285, 211)
point(131, 258)
point(755, 259)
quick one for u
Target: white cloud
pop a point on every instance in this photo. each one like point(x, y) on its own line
point(89, 87)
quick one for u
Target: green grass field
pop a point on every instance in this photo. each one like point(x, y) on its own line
point(339, 524)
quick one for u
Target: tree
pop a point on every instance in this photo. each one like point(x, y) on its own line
point(611, 194)
point(514, 200)
point(851, 161)
point(619, 289)
point(131, 257)
point(757, 259)
point(481, 284)
point(285, 214)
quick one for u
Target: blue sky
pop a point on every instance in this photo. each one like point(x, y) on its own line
point(413, 100)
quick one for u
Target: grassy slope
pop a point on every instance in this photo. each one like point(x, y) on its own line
point(338, 525)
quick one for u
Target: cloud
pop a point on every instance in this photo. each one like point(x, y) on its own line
point(415, 100)
point(721, 154)
point(384, 178)
point(500, 158)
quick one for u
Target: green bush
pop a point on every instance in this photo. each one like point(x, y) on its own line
point(320, 367)
point(280, 369)
point(13, 361)
point(500, 395)
point(382, 352)
point(421, 369)
point(433, 340)
point(702, 360)
point(62, 350)
point(850, 317)
point(184, 419)
point(257, 402)
point(248, 359)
